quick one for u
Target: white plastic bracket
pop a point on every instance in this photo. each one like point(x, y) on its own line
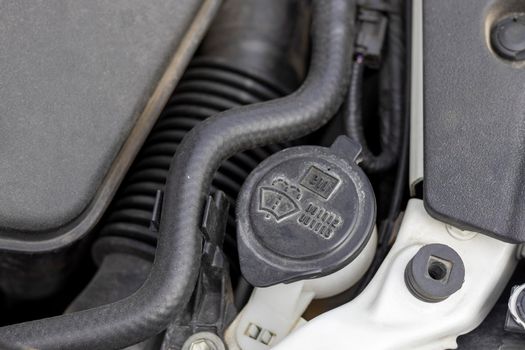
point(387, 316)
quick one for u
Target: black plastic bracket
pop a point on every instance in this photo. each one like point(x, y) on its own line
point(211, 308)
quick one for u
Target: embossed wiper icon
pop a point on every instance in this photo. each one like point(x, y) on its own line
point(277, 203)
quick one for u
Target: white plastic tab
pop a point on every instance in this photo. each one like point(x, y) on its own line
point(387, 316)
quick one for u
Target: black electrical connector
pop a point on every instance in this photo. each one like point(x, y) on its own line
point(371, 34)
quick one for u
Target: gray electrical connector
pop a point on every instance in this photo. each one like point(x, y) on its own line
point(371, 34)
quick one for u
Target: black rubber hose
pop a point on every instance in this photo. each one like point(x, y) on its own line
point(174, 271)
point(254, 51)
point(207, 81)
point(390, 103)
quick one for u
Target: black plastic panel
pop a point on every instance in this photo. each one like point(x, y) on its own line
point(474, 115)
point(74, 77)
point(81, 84)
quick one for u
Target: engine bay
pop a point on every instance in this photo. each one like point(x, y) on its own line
point(262, 174)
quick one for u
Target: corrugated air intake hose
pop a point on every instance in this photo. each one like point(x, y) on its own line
point(228, 71)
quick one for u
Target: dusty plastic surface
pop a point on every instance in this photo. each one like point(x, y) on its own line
point(387, 316)
point(74, 78)
point(473, 115)
point(81, 84)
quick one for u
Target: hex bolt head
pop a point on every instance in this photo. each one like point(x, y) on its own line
point(204, 341)
point(435, 273)
point(201, 344)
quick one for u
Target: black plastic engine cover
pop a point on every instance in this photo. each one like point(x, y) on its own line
point(81, 84)
point(474, 118)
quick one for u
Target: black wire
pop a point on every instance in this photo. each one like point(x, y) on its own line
point(388, 228)
point(396, 67)
point(352, 110)
point(390, 103)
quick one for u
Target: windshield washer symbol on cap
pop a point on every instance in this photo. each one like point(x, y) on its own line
point(280, 200)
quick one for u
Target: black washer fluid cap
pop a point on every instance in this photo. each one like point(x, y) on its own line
point(304, 212)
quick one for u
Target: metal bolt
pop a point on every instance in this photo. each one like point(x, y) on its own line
point(201, 344)
point(462, 235)
point(204, 341)
point(514, 305)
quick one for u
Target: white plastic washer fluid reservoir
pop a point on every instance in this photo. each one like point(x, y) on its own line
point(273, 312)
point(388, 316)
